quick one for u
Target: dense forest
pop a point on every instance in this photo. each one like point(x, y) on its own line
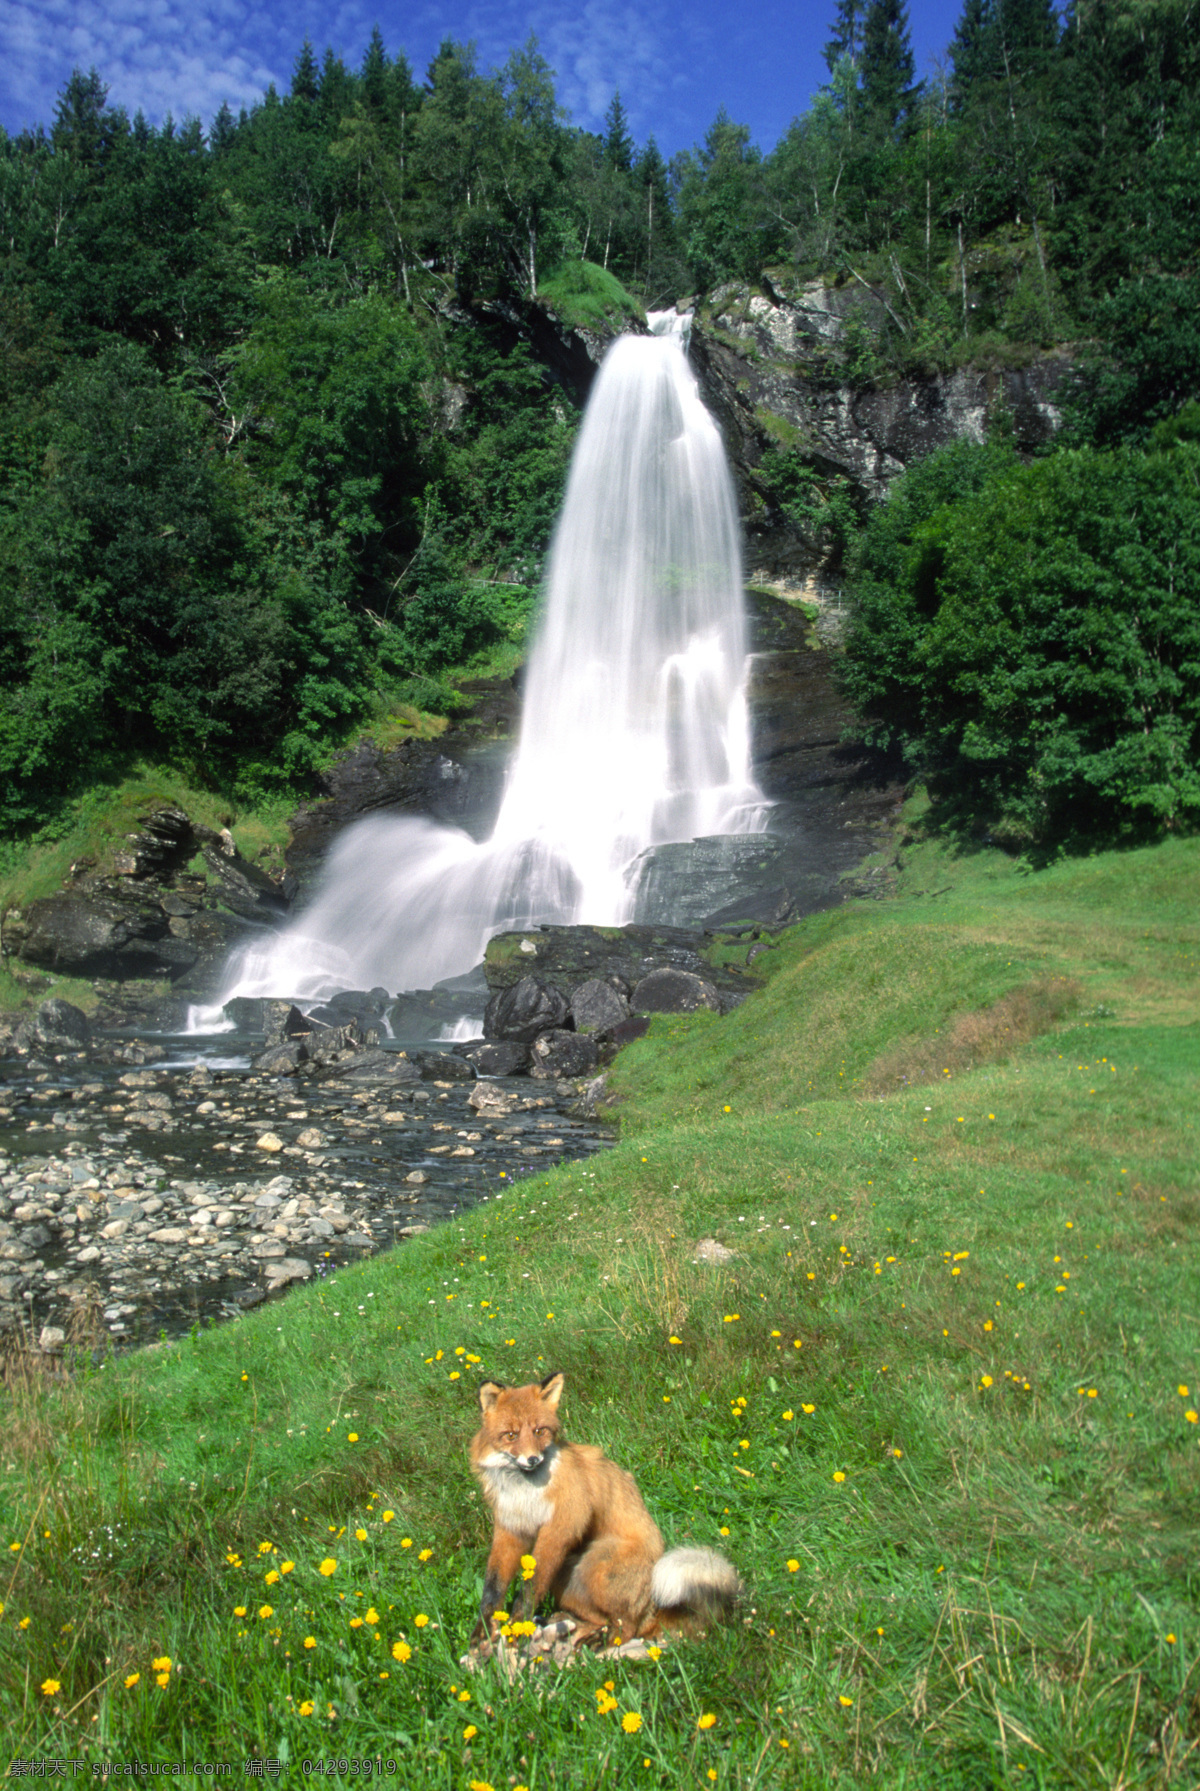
point(273, 456)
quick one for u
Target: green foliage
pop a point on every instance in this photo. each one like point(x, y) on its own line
point(1031, 634)
point(586, 296)
point(821, 507)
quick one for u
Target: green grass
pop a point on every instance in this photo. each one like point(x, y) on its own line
point(586, 296)
point(932, 1407)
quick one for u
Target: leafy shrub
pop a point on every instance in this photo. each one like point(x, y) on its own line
point(1030, 635)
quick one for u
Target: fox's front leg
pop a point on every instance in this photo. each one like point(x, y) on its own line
point(550, 1550)
point(504, 1557)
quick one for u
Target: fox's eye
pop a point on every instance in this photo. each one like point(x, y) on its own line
point(543, 1430)
point(508, 1436)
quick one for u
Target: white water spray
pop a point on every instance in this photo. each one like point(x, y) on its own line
point(634, 731)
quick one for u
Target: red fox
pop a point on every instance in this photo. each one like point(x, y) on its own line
point(596, 1548)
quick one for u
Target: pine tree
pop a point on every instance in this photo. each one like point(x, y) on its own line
point(888, 69)
point(618, 144)
point(847, 41)
point(82, 122)
point(374, 71)
point(223, 131)
point(305, 80)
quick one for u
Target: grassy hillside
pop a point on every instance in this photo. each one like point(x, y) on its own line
point(940, 1405)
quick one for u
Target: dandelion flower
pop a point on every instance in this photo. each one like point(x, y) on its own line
point(266, 1610)
point(470, 1732)
point(306, 1708)
point(401, 1651)
point(270, 1578)
point(788, 1416)
point(310, 1641)
point(839, 1476)
point(426, 1554)
point(406, 1542)
point(372, 1615)
point(420, 1620)
point(352, 1436)
point(287, 1566)
point(50, 1686)
point(162, 1664)
point(328, 1566)
point(631, 1722)
point(361, 1535)
point(844, 1701)
point(706, 1721)
point(793, 1566)
point(131, 1680)
point(388, 1516)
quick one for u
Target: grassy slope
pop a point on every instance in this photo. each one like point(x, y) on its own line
point(935, 1401)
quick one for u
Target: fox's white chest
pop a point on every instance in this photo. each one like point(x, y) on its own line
point(519, 1500)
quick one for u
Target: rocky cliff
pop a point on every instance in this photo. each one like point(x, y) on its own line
point(771, 367)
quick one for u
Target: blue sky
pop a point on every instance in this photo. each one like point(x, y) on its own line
point(674, 67)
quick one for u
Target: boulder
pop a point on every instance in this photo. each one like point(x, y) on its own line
point(598, 1005)
point(97, 936)
point(440, 1066)
point(636, 1027)
point(524, 1011)
point(562, 1053)
point(282, 1060)
point(502, 1057)
point(674, 992)
point(57, 1023)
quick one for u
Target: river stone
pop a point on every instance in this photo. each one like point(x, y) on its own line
point(597, 1006)
point(292, 1268)
point(674, 992)
point(500, 1057)
point(562, 1053)
point(525, 1010)
point(310, 1139)
point(487, 1097)
point(270, 1141)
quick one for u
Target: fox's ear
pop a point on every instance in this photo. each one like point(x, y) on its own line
point(552, 1388)
point(489, 1393)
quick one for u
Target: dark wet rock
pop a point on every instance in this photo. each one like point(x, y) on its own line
point(525, 1009)
point(244, 887)
point(636, 1027)
point(674, 992)
point(58, 1023)
point(428, 777)
point(443, 1066)
point(163, 845)
point(500, 1057)
point(562, 1054)
point(599, 1004)
point(281, 1060)
point(85, 935)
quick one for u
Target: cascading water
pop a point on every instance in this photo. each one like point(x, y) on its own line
point(634, 731)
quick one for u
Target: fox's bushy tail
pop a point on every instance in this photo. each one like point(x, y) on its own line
point(696, 1580)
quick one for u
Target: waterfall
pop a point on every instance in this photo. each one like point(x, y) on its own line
point(634, 729)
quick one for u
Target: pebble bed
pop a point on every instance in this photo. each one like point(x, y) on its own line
point(138, 1202)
